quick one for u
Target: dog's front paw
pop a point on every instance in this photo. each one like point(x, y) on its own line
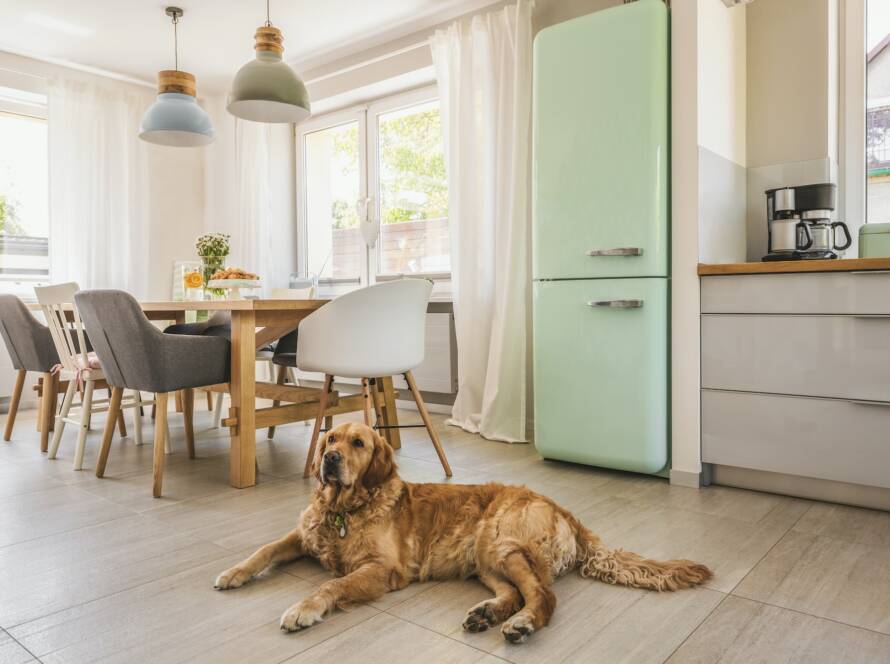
point(232, 578)
point(302, 615)
point(518, 628)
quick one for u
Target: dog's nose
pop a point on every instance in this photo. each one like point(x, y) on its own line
point(332, 456)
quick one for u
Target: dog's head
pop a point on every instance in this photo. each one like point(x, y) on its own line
point(353, 455)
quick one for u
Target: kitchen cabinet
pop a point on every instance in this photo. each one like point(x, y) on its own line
point(795, 373)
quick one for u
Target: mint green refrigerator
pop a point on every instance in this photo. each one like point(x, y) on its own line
point(600, 257)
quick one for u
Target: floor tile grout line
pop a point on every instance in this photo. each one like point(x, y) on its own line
point(447, 636)
point(813, 615)
point(336, 634)
point(21, 645)
point(71, 530)
point(117, 592)
point(768, 551)
point(697, 627)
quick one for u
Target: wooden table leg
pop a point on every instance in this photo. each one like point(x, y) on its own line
point(390, 417)
point(242, 387)
point(14, 403)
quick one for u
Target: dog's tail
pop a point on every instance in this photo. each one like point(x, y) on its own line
point(630, 569)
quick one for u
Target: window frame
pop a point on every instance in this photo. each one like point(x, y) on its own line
point(852, 108)
point(367, 117)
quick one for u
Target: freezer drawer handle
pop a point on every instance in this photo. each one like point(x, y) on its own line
point(621, 251)
point(616, 304)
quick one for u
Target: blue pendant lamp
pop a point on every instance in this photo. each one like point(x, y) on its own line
point(175, 119)
point(266, 89)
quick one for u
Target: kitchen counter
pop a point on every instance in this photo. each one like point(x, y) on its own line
point(778, 267)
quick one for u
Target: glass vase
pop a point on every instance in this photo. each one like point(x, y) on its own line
point(209, 266)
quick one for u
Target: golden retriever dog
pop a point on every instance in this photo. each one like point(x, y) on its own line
point(378, 533)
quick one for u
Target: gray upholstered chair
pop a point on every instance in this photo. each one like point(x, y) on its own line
point(31, 348)
point(136, 355)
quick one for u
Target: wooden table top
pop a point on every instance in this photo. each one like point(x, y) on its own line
point(779, 267)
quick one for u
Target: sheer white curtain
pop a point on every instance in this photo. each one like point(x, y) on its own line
point(483, 69)
point(99, 188)
point(265, 239)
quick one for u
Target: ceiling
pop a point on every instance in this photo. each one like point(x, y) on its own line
point(134, 38)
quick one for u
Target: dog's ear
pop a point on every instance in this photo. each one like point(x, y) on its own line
point(381, 466)
point(315, 468)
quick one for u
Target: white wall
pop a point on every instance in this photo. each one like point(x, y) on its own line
point(792, 106)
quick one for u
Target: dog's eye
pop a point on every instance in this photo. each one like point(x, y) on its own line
point(331, 440)
point(358, 442)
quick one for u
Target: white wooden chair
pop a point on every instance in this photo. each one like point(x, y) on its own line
point(80, 368)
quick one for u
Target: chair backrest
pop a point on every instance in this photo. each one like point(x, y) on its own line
point(57, 304)
point(127, 344)
point(371, 332)
point(292, 293)
point(29, 343)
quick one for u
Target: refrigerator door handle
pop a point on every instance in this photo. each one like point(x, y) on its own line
point(616, 304)
point(620, 251)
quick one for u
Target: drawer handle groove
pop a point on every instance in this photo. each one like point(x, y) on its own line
point(620, 251)
point(616, 304)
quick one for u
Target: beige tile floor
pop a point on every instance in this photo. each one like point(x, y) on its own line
point(96, 570)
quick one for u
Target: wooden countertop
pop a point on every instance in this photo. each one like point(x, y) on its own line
point(778, 267)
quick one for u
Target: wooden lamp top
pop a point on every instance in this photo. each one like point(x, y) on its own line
point(269, 38)
point(173, 80)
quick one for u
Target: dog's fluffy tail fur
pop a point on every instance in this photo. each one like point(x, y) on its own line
point(630, 569)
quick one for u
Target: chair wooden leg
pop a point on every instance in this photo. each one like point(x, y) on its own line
point(282, 378)
point(217, 410)
point(114, 415)
point(209, 399)
point(53, 401)
point(375, 399)
point(366, 402)
point(328, 422)
point(316, 430)
point(86, 409)
point(178, 401)
point(390, 416)
point(409, 378)
point(121, 425)
point(137, 416)
point(14, 402)
point(46, 411)
point(188, 413)
point(160, 435)
point(60, 418)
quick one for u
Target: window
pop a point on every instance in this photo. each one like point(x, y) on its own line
point(373, 194)
point(877, 117)
point(24, 193)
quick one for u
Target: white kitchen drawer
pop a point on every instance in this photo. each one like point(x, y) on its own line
point(846, 357)
point(797, 293)
point(823, 438)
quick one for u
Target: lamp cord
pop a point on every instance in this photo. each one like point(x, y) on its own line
point(175, 42)
point(268, 20)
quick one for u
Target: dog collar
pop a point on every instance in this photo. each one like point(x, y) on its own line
point(340, 524)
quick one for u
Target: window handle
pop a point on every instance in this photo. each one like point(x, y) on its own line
point(368, 224)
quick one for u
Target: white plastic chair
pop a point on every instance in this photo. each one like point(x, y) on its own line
point(79, 367)
point(369, 334)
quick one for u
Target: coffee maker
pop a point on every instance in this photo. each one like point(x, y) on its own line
point(799, 223)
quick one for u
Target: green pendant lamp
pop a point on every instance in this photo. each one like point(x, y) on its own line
point(175, 119)
point(266, 89)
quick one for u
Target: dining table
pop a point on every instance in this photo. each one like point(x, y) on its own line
point(255, 324)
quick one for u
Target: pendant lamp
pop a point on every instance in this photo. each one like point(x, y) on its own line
point(266, 89)
point(175, 119)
